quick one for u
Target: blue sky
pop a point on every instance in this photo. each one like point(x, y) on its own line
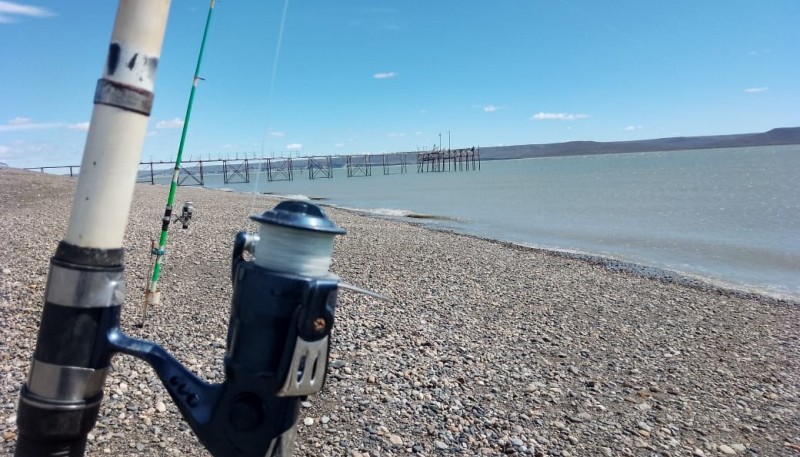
point(369, 76)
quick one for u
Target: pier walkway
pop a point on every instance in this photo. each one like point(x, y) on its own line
point(238, 170)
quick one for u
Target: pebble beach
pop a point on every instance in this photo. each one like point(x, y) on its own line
point(485, 349)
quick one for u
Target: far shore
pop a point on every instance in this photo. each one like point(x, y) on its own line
point(776, 137)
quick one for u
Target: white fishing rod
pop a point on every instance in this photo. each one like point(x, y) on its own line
point(60, 401)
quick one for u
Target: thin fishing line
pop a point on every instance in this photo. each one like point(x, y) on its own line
point(270, 92)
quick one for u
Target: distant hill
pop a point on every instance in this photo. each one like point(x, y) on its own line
point(774, 137)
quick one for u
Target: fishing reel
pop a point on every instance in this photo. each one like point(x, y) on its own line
point(278, 339)
point(186, 215)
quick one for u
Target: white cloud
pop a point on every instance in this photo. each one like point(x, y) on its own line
point(338, 145)
point(755, 90)
point(277, 134)
point(8, 11)
point(151, 133)
point(417, 133)
point(175, 123)
point(395, 135)
point(384, 75)
point(294, 146)
point(558, 116)
point(27, 153)
point(24, 123)
point(490, 109)
point(631, 128)
point(80, 126)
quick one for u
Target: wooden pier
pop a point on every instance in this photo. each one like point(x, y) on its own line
point(320, 167)
point(439, 160)
point(72, 169)
point(238, 171)
point(191, 174)
point(394, 163)
point(359, 166)
point(279, 169)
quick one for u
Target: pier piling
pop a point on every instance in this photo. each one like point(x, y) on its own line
point(395, 159)
point(359, 165)
point(320, 167)
point(235, 173)
point(280, 169)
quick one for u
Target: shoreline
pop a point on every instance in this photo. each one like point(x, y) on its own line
point(609, 263)
point(487, 348)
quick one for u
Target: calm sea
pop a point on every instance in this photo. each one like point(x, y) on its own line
point(728, 216)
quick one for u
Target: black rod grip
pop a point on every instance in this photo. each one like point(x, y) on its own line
point(53, 430)
point(33, 447)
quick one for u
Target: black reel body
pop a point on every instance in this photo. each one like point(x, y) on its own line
point(277, 349)
point(277, 352)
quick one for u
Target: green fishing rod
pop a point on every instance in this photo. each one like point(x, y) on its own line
point(152, 294)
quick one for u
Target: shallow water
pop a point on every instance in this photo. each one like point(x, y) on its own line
point(729, 216)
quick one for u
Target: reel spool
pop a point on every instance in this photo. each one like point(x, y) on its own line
point(297, 238)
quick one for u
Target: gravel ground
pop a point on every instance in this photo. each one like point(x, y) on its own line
point(486, 348)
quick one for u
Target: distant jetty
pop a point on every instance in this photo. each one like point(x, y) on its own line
point(774, 137)
point(282, 168)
